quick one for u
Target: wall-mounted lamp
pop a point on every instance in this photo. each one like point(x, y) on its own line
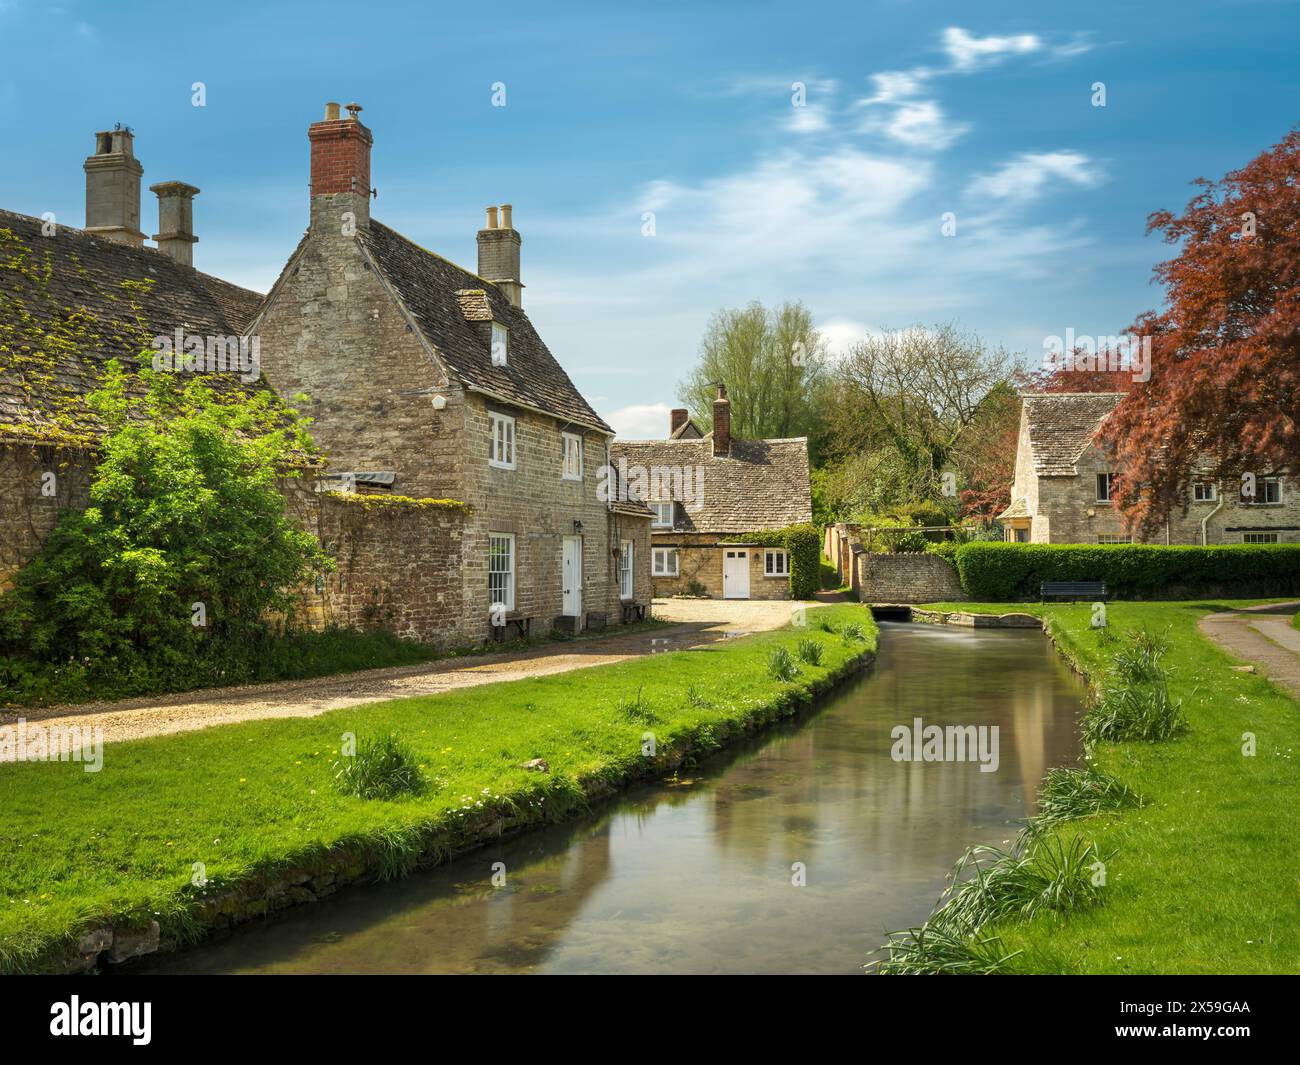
point(577, 526)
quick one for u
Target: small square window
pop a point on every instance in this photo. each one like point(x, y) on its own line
point(500, 345)
point(663, 562)
point(1204, 492)
point(776, 562)
point(501, 441)
point(663, 514)
point(572, 466)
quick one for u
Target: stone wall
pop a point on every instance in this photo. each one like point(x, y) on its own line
point(398, 566)
point(699, 558)
point(539, 507)
point(906, 578)
point(1072, 513)
point(332, 332)
point(38, 484)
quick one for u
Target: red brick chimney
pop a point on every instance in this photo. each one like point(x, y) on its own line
point(677, 418)
point(722, 423)
point(340, 167)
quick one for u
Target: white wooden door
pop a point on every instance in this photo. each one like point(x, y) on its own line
point(735, 574)
point(572, 577)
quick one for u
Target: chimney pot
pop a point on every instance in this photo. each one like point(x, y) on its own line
point(722, 423)
point(498, 254)
point(340, 171)
point(113, 188)
point(175, 234)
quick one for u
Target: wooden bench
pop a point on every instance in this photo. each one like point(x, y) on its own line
point(1072, 590)
point(522, 626)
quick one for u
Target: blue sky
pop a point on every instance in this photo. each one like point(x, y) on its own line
point(687, 111)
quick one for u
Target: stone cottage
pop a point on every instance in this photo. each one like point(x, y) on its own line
point(467, 471)
point(707, 491)
point(1062, 487)
point(428, 381)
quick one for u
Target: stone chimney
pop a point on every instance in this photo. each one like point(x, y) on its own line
point(677, 418)
point(113, 188)
point(340, 170)
point(175, 234)
point(498, 254)
point(722, 423)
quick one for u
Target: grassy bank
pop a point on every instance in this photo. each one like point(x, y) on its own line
point(250, 801)
point(296, 655)
point(1202, 876)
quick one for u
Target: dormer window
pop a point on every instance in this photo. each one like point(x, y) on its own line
point(663, 514)
point(500, 345)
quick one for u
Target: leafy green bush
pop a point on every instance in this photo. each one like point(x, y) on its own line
point(993, 572)
point(381, 768)
point(185, 547)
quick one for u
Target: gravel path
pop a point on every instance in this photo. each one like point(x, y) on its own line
point(1262, 636)
point(695, 622)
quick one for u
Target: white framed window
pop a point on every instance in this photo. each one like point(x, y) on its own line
point(1103, 488)
point(501, 441)
point(1259, 538)
point(500, 345)
point(663, 514)
point(1267, 490)
point(663, 561)
point(501, 570)
point(1113, 538)
point(1204, 492)
point(776, 562)
point(572, 469)
point(625, 551)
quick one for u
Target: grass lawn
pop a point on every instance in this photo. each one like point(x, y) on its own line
point(1204, 877)
point(79, 849)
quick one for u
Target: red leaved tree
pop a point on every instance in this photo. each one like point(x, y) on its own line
point(1224, 394)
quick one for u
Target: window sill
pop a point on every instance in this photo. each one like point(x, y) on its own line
point(500, 466)
point(577, 479)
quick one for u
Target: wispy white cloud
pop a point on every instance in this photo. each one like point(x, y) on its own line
point(1026, 176)
point(967, 53)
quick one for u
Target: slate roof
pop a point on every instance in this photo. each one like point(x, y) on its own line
point(1062, 425)
point(1019, 508)
point(450, 305)
point(72, 284)
point(686, 431)
point(762, 484)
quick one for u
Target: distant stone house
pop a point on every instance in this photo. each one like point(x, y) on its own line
point(1061, 492)
point(469, 470)
point(707, 491)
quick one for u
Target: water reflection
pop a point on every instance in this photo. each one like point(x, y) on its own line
point(695, 875)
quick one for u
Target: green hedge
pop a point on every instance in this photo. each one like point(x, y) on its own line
point(804, 543)
point(1004, 571)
